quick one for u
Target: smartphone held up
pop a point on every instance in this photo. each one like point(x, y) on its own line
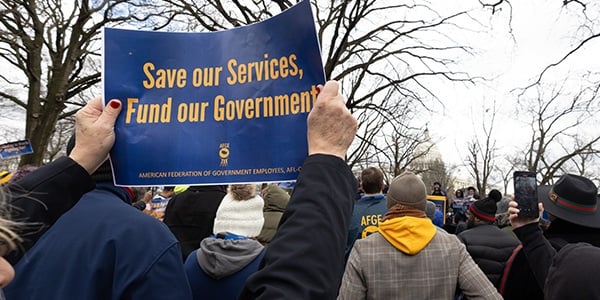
point(525, 185)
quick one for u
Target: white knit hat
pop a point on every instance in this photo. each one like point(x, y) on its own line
point(240, 212)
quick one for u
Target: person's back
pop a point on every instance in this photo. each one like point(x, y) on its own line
point(276, 200)
point(369, 209)
point(220, 267)
point(191, 214)
point(100, 249)
point(442, 266)
point(226, 273)
point(409, 258)
point(488, 245)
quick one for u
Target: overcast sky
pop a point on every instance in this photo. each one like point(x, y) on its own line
point(542, 32)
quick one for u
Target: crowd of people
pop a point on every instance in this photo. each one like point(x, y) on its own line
point(68, 233)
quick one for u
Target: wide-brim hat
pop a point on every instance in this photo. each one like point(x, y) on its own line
point(572, 198)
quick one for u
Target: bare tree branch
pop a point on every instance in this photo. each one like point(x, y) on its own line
point(554, 64)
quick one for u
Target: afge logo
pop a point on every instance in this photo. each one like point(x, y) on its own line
point(224, 153)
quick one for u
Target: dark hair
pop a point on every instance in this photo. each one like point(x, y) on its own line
point(462, 194)
point(371, 180)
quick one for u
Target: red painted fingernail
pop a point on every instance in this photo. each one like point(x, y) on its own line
point(318, 89)
point(114, 104)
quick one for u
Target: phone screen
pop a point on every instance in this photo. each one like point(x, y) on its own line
point(526, 193)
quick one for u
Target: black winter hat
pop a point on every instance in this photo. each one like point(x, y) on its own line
point(485, 209)
point(103, 173)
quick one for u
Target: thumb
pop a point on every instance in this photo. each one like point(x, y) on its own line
point(110, 113)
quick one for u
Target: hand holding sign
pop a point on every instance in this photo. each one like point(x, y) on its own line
point(94, 129)
point(331, 127)
point(236, 113)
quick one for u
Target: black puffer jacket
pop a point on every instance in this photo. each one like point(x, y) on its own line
point(191, 215)
point(490, 248)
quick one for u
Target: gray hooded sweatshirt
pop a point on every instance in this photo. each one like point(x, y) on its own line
point(220, 258)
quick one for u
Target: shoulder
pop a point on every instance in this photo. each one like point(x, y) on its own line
point(474, 233)
point(485, 232)
point(371, 241)
point(491, 241)
point(128, 223)
point(446, 239)
point(371, 244)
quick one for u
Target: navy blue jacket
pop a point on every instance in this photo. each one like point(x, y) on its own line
point(102, 248)
point(367, 213)
point(54, 192)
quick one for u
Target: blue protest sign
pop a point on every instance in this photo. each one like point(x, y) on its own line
point(16, 148)
point(213, 108)
point(440, 204)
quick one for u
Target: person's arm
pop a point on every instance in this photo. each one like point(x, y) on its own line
point(41, 197)
point(537, 249)
point(142, 204)
point(306, 257)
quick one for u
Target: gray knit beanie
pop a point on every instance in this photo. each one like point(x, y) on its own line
point(502, 206)
point(430, 209)
point(407, 189)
